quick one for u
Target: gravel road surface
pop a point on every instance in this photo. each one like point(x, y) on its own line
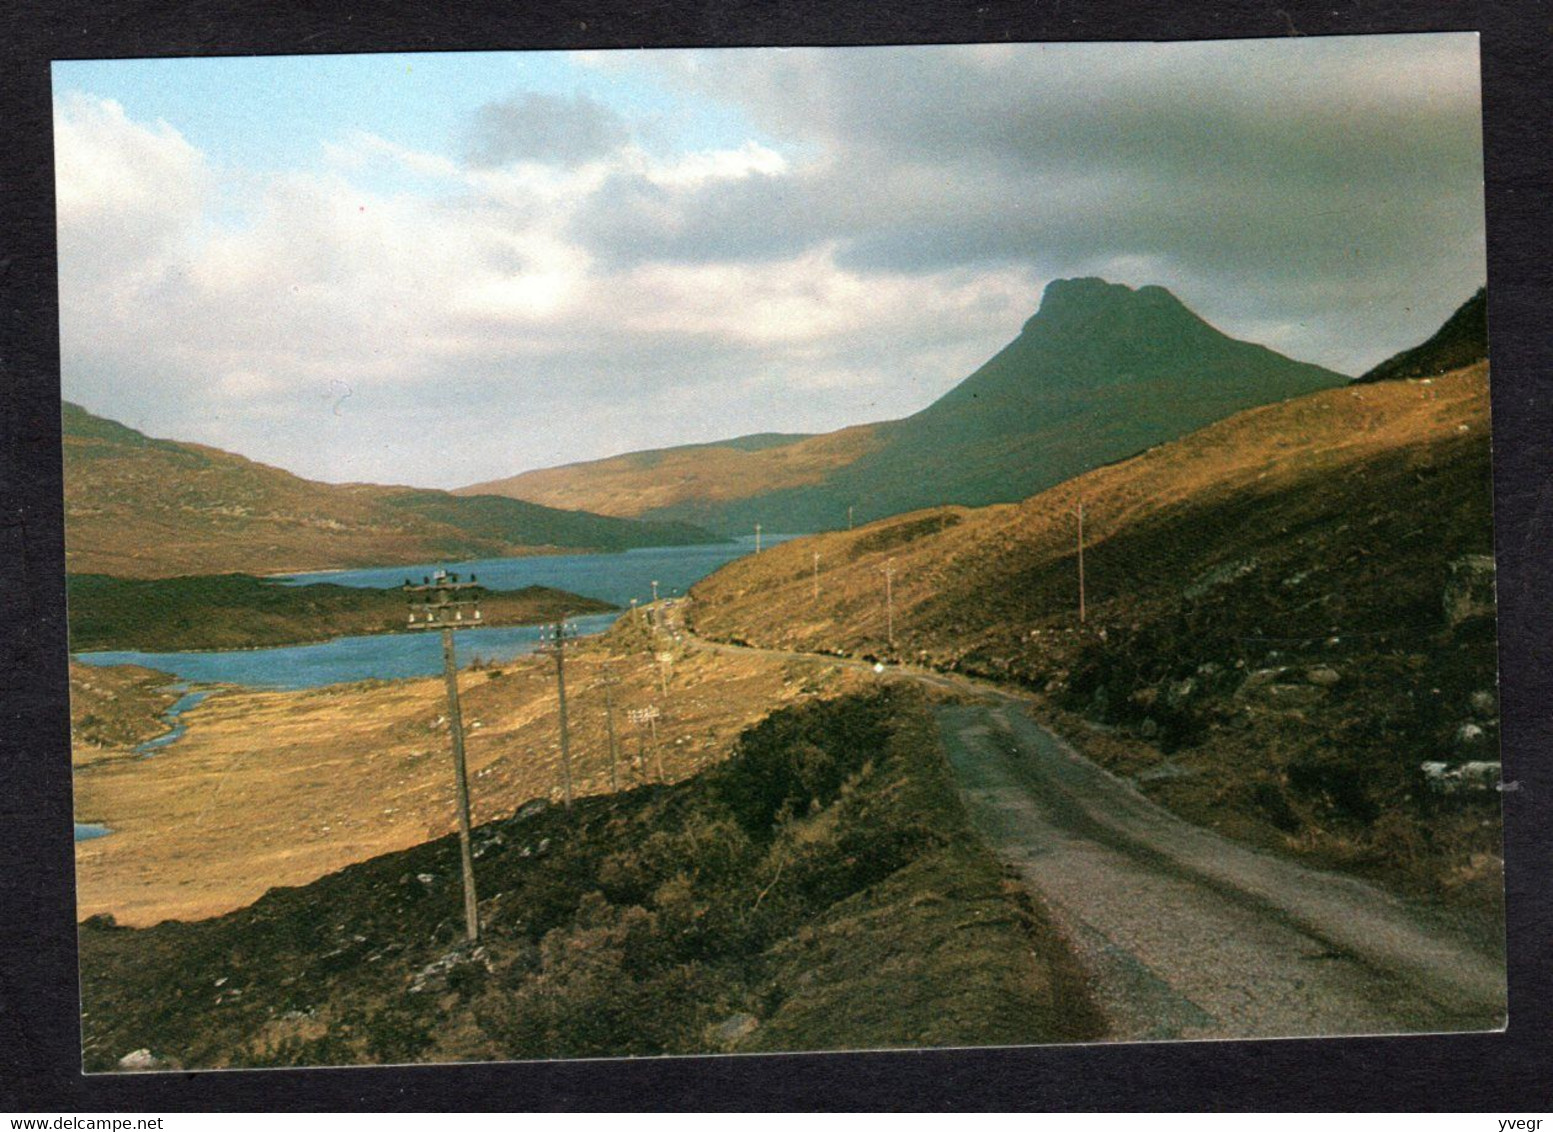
point(1185, 933)
point(1189, 935)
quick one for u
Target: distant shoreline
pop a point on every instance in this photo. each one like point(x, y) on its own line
point(535, 552)
point(241, 612)
point(79, 654)
point(521, 552)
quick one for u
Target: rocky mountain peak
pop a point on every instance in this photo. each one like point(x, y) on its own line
point(1069, 302)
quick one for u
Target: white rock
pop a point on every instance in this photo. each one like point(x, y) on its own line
point(140, 1061)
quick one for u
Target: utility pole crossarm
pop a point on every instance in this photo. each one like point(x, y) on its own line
point(441, 600)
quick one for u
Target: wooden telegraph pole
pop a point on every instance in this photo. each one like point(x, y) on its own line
point(816, 575)
point(888, 569)
point(1080, 561)
point(556, 637)
point(610, 680)
point(443, 602)
point(649, 716)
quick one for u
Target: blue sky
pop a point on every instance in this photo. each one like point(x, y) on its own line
point(285, 256)
point(277, 112)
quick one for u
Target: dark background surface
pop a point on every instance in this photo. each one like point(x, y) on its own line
point(39, 1037)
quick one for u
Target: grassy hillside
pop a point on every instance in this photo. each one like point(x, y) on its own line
point(233, 611)
point(146, 508)
point(1281, 621)
point(820, 890)
point(1100, 372)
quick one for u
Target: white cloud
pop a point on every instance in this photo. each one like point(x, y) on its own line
point(315, 289)
point(717, 165)
point(584, 299)
point(362, 147)
point(142, 185)
point(132, 200)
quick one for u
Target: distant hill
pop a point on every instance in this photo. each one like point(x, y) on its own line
point(693, 478)
point(1462, 341)
point(1099, 373)
point(140, 507)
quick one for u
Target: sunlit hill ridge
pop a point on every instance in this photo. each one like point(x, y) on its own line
point(146, 508)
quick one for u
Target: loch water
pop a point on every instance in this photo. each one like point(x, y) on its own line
point(345, 660)
point(615, 578)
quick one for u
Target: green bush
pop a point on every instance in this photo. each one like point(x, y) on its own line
point(795, 761)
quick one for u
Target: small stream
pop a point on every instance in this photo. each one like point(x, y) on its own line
point(189, 699)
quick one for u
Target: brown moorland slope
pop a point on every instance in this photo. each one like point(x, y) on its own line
point(640, 482)
point(1021, 558)
point(140, 507)
point(817, 888)
point(278, 788)
point(1285, 617)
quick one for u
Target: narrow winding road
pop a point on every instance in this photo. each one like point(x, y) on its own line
point(1189, 935)
point(1186, 934)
